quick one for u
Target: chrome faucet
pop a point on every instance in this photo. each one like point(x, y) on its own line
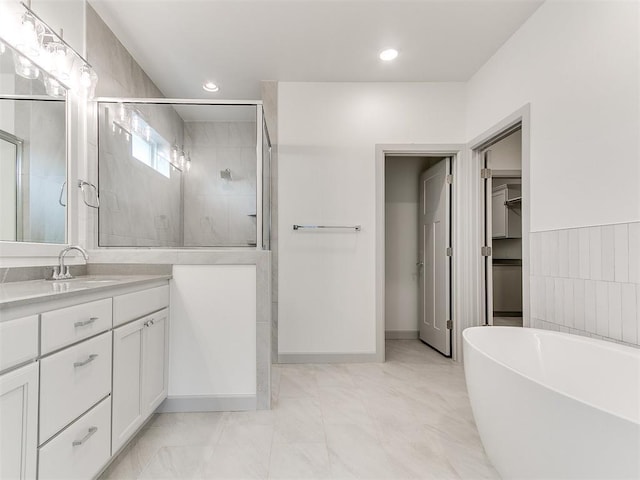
point(61, 272)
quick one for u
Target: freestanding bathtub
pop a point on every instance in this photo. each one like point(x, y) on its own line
point(552, 405)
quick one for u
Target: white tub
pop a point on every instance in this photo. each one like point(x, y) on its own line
point(551, 405)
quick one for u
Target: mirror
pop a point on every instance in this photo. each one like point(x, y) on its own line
point(33, 163)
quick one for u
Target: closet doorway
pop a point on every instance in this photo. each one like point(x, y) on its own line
point(502, 177)
point(418, 229)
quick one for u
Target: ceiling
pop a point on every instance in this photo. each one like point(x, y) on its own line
point(238, 43)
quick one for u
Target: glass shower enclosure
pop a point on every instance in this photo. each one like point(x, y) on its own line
point(183, 173)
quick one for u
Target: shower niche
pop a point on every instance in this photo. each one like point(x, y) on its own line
point(178, 174)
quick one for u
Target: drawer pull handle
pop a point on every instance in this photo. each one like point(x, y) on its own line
point(91, 358)
point(92, 430)
point(86, 322)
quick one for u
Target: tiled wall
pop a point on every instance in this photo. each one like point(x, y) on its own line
point(587, 281)
point(139, 206)
point(118, 72)
point(218, 211)
point(41, 125)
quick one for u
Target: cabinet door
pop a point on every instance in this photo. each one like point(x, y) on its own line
point(19, 417)
point(498, 214)
point(154, 360)
point(128, 412)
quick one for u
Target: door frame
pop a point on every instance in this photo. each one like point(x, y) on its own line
point(456, 152)
point(476, 146)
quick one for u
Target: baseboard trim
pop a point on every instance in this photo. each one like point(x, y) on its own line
point(328, 358)
point(401, 334)
point(208, 403)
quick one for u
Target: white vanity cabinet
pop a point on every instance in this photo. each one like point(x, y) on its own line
point(140, 373)
point(67, 376)
point(19, 420)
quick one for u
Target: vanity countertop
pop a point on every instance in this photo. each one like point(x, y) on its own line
point(21, 293)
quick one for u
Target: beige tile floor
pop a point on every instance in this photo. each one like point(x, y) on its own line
point(408, 418)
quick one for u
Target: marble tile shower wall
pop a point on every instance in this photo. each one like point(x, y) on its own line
point(219, 211)
point(119, 73)
point(43, 170)
point(139, 206)
point(587, 281)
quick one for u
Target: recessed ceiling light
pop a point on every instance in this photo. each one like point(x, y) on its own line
point(388, 54)
point(210, 87)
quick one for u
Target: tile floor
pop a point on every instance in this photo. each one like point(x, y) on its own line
point(408, 418)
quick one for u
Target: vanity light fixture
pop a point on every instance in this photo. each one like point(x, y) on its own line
point(25, 67)
point(54, 88)
point(388, 54)
point(210, 87)
point(39, 50)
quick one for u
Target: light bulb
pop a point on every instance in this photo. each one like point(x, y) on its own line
point(210, 87)
point(85, 77)
point(53, 87)
point(388, 54)
point(28, 42)
point(24, 67)
point(58, 59)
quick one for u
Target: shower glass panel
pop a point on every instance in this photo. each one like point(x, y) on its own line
point(178, 174)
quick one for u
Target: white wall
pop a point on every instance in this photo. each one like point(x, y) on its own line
point(577, 64)
point(212, 350)
point(327, 137)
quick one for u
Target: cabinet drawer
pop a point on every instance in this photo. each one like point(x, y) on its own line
point(138, 304)
point(82, 449)
point(18, 341)
point(73, 380)
point(69, 325)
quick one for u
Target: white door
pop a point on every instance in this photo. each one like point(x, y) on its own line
point(128, 412)
point(19, 420)
point(154, 361)
point(434, 240)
